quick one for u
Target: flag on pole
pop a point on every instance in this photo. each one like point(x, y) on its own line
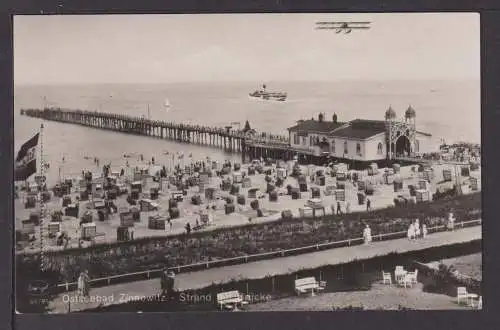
point(26, 159)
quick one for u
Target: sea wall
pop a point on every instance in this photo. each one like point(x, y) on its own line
point(157, 252)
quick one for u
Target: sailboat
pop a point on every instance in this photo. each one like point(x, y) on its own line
point(167, 103)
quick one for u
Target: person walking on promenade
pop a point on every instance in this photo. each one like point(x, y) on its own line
point(411, 232)
point(368, 204)
point(451, 221)
point(81, 284)
point(163, 281)
point(417, 228)
point(339, 209)
point(367, 234)
point(348, 207)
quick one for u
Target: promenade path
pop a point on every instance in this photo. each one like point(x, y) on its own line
point(116, 294)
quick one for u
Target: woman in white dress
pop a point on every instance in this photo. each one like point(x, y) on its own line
point(451, 221)
point(424, 230)
point(411, 232)
point(367, 234)
point(417, 228)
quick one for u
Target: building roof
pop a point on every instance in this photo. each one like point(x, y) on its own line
point(361, 129)
point(316, 126)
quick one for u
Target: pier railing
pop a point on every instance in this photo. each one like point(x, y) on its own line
point(154, 273)
point(145, 126)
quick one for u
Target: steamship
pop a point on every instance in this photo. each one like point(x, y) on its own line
point(265, 95)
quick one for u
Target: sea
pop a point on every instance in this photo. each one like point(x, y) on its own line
point(449, 110)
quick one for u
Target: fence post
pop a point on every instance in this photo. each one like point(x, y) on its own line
point(109, 280)
point(67, 286)
point(148, 274)
point(246, 258)
point(272, 284)
point(349, 242)
point(317, 246)
point(207, 264)
point(247, 289)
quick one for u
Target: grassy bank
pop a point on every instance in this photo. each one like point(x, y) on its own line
point(157, 252)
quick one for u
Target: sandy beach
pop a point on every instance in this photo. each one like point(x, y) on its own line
point(382, 197)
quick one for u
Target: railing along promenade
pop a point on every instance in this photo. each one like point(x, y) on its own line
point(224, 138)
point(154, 273)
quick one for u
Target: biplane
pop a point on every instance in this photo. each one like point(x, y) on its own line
point(347, 27)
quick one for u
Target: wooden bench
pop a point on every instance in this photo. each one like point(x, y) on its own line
point(303, 285)
point(230, 300)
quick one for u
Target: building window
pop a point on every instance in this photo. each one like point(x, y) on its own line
point(379, 148)
point(296, 139)
point(358, 149)
point(311, 141)
point(332, 146)
point(346, 151)
point(304, 141)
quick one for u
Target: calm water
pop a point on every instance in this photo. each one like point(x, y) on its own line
point(449, 110)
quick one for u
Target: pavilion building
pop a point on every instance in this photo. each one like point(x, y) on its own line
point(360, 140)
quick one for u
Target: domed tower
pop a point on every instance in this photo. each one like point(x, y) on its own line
point(411, 129)
point(410, 115)
point(390, 116)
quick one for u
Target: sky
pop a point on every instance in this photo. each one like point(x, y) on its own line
point(63, 49)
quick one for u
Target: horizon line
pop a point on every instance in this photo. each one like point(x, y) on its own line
point(455, 79)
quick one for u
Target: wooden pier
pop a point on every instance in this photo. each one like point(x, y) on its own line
point(251, 146)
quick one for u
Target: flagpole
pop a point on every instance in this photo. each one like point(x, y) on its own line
point(42, 202)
